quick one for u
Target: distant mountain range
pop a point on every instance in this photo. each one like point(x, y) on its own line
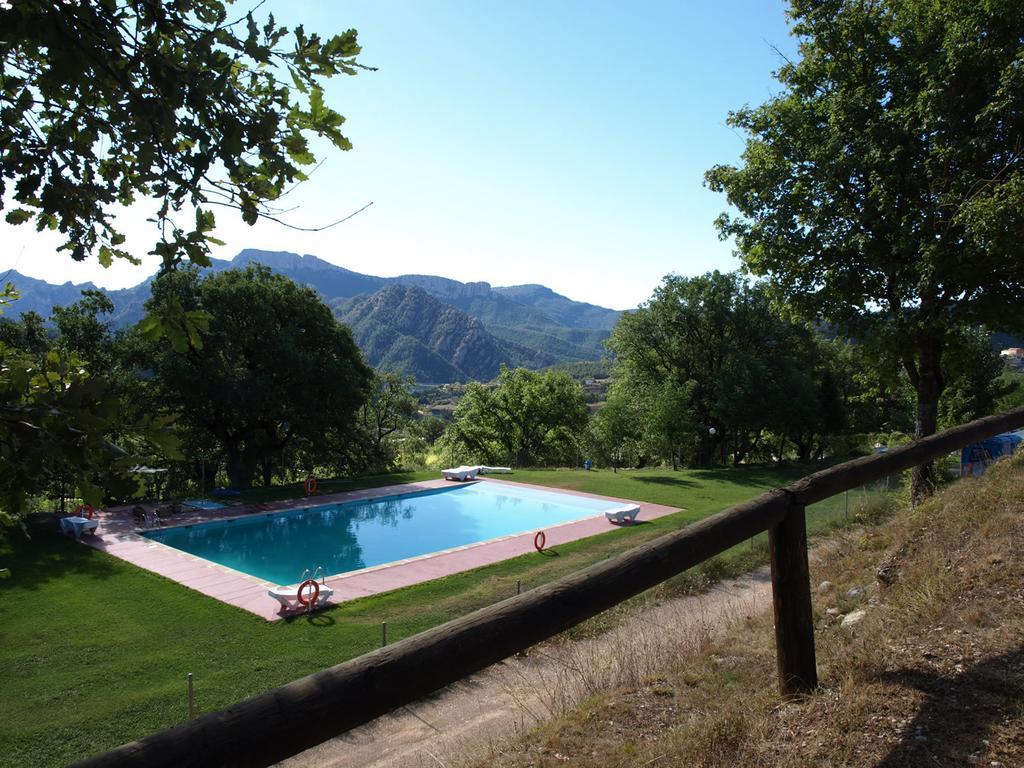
point(434, 328)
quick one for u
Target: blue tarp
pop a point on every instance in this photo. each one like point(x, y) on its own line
point(976, 456)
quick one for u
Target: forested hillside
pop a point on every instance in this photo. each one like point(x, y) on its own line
point(443, 331)
point(405, 329)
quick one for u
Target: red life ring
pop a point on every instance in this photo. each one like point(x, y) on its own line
point(315, 593)
point(310, 485)
point(89, 511)
point(539, 540)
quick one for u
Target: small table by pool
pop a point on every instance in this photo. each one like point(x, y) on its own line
point(78, 525)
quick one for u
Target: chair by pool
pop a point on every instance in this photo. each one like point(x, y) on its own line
point(625, 513)
point(462, 473)
point(78, 525)
point(470, 472)
point(288, 597)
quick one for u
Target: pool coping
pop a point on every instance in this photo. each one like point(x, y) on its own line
point(120, 536)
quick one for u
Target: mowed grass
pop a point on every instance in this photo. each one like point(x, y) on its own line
point(95, 651)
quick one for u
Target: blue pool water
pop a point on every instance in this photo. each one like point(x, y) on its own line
point(345, 537)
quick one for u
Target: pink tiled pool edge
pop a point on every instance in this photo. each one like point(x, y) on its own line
point(118, 535)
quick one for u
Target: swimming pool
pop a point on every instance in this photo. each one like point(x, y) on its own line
point(353, 535)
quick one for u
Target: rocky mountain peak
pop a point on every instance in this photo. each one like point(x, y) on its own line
point(282, 261)
point(446, 288)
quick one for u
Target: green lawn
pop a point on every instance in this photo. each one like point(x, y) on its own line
point(96, 651)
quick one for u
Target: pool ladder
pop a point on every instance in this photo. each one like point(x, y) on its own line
point(319, 571)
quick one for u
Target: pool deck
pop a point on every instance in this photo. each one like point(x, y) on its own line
point(119, 535)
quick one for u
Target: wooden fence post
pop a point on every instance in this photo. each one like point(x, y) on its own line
point(791, 598)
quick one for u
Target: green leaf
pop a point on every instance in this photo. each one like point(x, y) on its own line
point(299, 84)
point(316, 105)
point(178, 339)
point(18, 216)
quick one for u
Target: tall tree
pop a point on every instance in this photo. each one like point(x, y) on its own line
point(714, 368)
point(617, 428)
point(27, 333)
point(975, 379)
point(180, 102)
point(388, 410)
point(81, 330)
point(53, 420)
point(58, 421)
point(274, 367)
point(528, 418)
point(670, 352)
point(883, 188)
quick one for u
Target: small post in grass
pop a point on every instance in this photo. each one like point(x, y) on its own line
point(791, 598)
point(383, 634)
point(191, 701)
point(519, 586)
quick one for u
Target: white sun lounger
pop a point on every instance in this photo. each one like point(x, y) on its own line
point(622, 514)
point(78, 525)
point(460, 473)
point(469, 473)
point(288, 597)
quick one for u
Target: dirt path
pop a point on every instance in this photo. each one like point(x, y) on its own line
point(522, 691)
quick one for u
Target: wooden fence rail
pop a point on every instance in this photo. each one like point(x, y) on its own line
point(267, 728)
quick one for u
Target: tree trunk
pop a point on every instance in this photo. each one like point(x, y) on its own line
point(928, 385)
point(706, 451)
point(206, 472)
point(803, 448)
point(240, 468)
point(748, 446)
point(922, 478)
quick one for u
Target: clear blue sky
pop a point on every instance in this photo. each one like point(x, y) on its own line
point(561, 143)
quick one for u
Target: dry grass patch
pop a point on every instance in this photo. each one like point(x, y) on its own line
point(932, 674)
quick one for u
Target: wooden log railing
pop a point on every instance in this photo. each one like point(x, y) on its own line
point(267, 728)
